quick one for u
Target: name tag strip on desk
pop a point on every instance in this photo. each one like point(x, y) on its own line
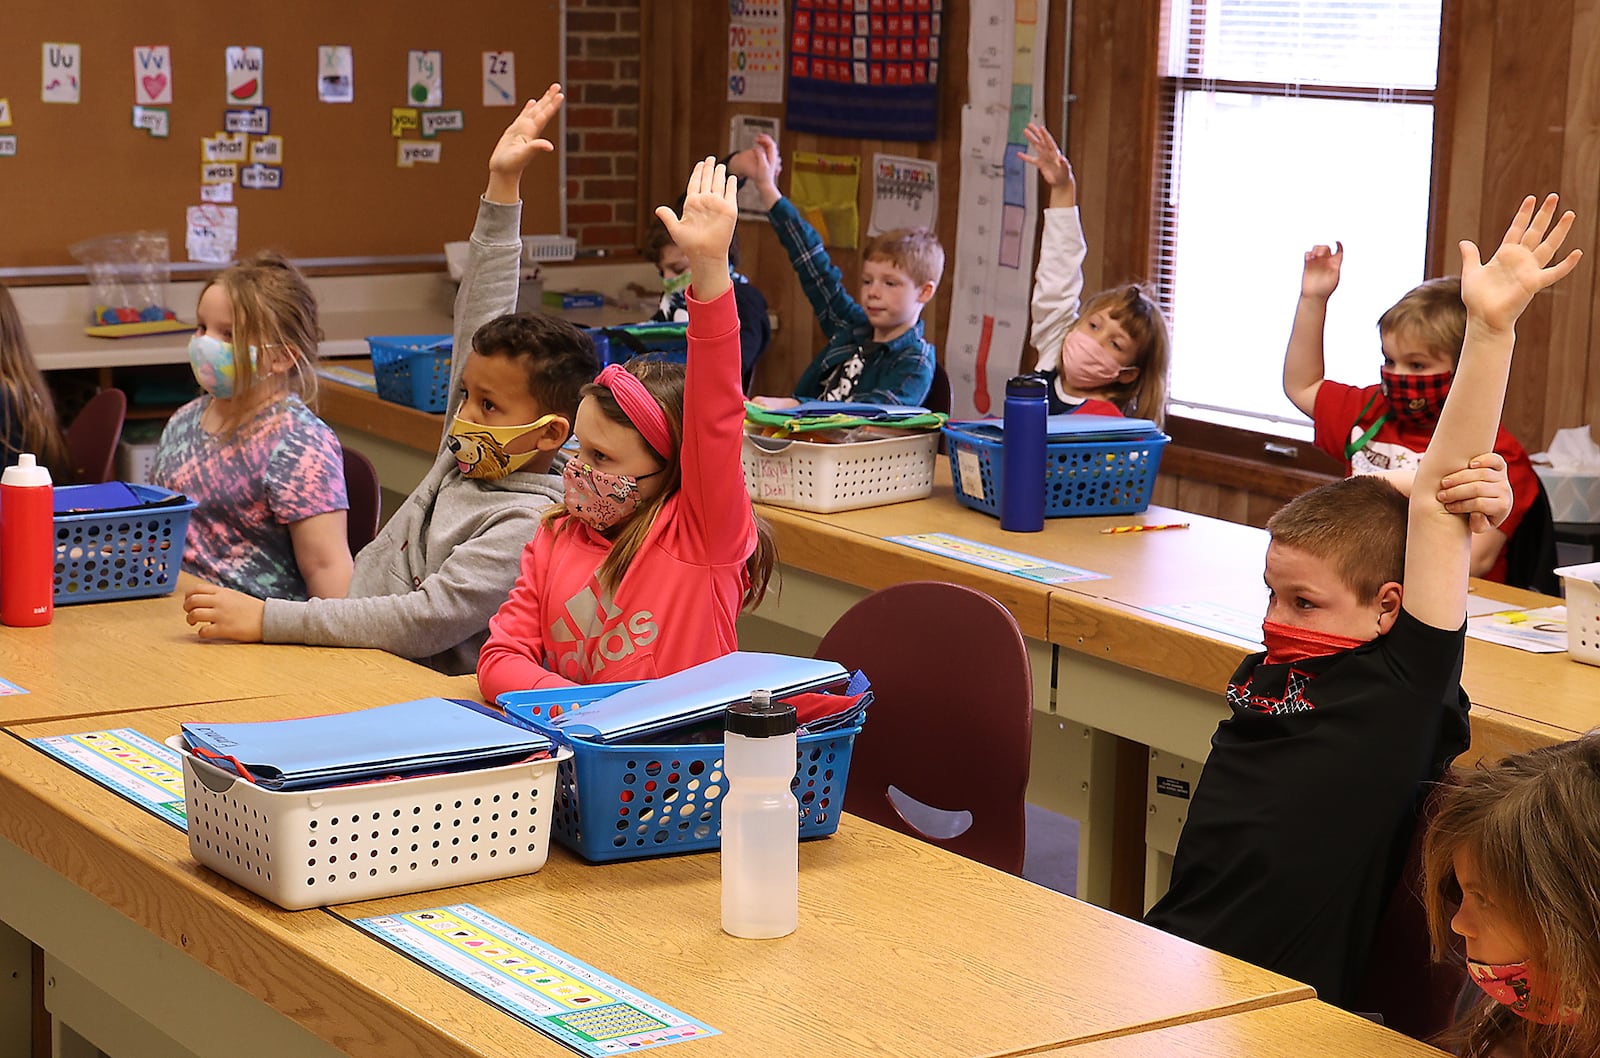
point(7, 687)
point(126, 762)
point(1214, 617)
point(998, 559)
point(546, 989)
point(349, 376)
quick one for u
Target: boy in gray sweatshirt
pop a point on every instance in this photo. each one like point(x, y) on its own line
point(427, 585)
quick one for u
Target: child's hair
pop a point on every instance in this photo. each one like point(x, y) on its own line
point(558, 357)
point(915, 251)
point(273, 307)
point(1432, 313)
point(664, 381)
point(1357, 526)
point(1134, 306)
point(657, 239)
point(1531, 825)
point(23, 394)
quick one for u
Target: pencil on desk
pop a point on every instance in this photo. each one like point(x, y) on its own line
point(1145, 528)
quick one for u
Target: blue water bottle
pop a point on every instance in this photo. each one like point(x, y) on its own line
point(1022, 456)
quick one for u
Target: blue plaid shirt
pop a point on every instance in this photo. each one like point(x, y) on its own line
point(895, 372)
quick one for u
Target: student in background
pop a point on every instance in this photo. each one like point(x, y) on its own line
point(1109, 356)
point(875, 353)
point(28, 420)
point(1307, 802)
point(1387, 426)
point(755, 326)
point(1511, 861)
point(427, 585)
point(643, 568)
point(266, 473)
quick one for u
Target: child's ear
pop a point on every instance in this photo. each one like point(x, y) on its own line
point(552, 435)
point(926, 291)
point(1127, 375)
point(1388, 606)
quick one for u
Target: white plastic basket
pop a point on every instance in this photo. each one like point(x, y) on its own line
point(839, 477)
point(537, 248)
point(1581, 585)
point(308, 848)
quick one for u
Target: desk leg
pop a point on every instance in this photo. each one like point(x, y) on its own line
point(16, 988)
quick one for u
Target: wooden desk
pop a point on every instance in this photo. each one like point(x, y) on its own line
point(1293, 1030)
point(903, 948)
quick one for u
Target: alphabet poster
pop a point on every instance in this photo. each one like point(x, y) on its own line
point(499, 79)
point(60, 72)
point(152, 76)
point(424, 78)
point(244, 75)
point(336, 73)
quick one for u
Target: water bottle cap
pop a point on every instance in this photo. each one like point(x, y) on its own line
point(761, 717)
point(26, 472)
point(1030, 386)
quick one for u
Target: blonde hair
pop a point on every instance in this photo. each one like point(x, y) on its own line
point(1357, 526)
point(915, 251)
point(664, 381)
point(1134, 307)
point(1531, 825)
point(1431, 313)
point(24, 396)
point(273, 308)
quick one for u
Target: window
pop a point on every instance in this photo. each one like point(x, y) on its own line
point(1288, 123)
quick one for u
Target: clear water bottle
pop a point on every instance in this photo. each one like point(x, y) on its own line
point(27, 544)
point(760, 821)
point(1022, 456)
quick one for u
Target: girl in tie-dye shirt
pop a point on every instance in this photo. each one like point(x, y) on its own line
point(266, 473)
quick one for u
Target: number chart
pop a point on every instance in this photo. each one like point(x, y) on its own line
point(126, 762)
point(866, 68)
point(755, 51)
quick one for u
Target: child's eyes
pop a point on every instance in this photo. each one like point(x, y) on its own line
point(1303, 603)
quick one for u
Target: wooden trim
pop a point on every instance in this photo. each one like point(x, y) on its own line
point(1232, 472)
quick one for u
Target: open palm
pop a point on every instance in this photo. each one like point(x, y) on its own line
point(710, 212)
point(1496, 292)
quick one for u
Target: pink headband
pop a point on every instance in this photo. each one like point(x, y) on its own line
point(639, 406)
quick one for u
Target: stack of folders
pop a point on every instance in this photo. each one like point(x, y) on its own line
point(424, 737)
point(611, 713)
point(1073, 428)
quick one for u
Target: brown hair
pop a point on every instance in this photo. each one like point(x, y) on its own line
point(1134, 307)
point(558, 357)
point(915, 251)
point(273, 308)
point(25, 398)
point(1432, 313)
point(1357, 526)
point(1531, 824)
point(664, 381)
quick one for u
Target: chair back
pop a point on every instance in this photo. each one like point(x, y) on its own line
point(939, 393)
point(945, 750)
point(366, 499)
point(1531, 551)
point(93, 436)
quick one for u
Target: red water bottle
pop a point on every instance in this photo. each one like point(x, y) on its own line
point(27, 544)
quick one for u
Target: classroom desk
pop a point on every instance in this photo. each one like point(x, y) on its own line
point(147, 945)
point(1293, 1030)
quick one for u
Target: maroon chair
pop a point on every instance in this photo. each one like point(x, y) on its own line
point(366, 499)
point(93, 436)
point(939, 397)
point(944, 754)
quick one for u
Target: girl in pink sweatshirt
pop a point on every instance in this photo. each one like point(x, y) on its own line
point(644, 567)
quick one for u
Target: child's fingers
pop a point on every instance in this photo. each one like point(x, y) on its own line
point(1519, 223)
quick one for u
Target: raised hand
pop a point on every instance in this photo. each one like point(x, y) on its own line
point(1047, 157)
point(520, 142)
point(1496, 292)
point(1321, 275)
point(710, 211)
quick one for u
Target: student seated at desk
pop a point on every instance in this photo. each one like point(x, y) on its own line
point(654, 550)
point(427, 585)
point(875, 353)
point(1307, 802)
point(28, 421)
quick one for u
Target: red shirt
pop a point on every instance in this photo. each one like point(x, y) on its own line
point(1339, 422)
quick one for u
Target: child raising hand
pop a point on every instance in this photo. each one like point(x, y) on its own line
point(644, 566)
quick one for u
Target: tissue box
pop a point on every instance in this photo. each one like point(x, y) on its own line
point(1574, 494)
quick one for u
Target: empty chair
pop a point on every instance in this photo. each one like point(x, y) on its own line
point(944, 754)
point(366, 499)
point(93, 436)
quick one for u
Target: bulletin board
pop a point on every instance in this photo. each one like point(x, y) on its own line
point(83, 169)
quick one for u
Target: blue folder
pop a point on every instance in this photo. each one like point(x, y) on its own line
point(845, 407)
point(1072, 428)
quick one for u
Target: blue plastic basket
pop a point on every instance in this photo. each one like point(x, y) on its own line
point(661, 341)
point(1085, 478)
point(413, 369)
point(128, 554)
point(630, 802)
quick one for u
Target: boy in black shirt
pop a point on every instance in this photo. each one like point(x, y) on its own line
point(1307, 800)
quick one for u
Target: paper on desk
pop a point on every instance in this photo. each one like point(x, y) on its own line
point(1478, 605)
point(348, 376)
point(1541, 631)
point(1236, 624)
point(996, 558)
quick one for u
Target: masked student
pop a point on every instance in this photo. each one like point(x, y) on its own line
point(427, 585)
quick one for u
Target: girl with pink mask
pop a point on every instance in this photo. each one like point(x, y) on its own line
point(643, 568)
point(1109, 355)
point(1512, 862)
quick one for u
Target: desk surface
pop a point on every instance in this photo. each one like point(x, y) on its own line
point(903, 948)
point(364, 410)
point(1294, 1030)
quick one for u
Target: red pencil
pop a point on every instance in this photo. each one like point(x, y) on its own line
point(1145, 528)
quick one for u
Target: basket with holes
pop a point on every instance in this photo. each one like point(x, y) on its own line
point(1084, 478)
point(811, 476)
point(413, 369)
point(627, 802)
point(1581, 585)
point(121, 554)
point(308, 848)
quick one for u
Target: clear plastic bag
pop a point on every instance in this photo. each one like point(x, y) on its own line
point(128, 274)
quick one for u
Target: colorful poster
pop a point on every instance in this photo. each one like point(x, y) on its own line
point(60, 72)
point(858, 70)
point(742, 132)
point(213, 233)
point(152, 76)
point(824, 188)
point(499, 79)
point(755, 51)
point(244, 68)
point(905, 193)
point(424, 78)
point(336, 73)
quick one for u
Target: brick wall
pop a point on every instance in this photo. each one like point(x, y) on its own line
point(602, 122)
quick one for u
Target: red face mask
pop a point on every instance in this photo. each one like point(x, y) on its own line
point(1416, 400)
point(1518, 987)
point(1288, 643)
